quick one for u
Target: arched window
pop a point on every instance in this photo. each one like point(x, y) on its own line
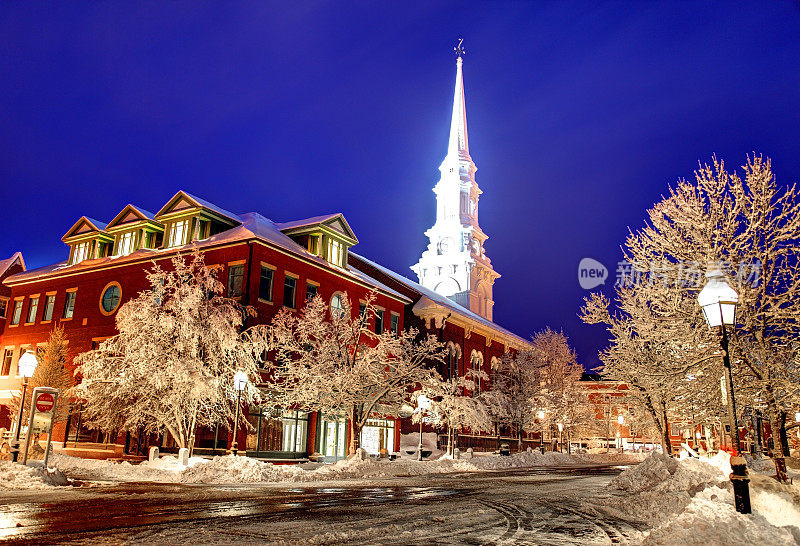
point(476, 361)
point(452, 356)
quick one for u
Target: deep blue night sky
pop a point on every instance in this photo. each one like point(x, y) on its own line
point(580, 116)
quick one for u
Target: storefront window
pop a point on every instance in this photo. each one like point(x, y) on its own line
point(378, 434)
point(285, 433)
point(332, 438)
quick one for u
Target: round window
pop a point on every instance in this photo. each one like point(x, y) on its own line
point(109, 301)
point(337, 305)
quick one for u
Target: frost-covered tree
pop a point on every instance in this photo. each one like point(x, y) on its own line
point(749, 226)
point(540, 378)
point(452, 404)
point(172, 364)
point(331, 361)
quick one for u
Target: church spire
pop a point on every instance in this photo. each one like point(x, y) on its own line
point(455, 263)
point(458, 146)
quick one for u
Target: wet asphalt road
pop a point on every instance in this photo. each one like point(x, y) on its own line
point(523, 506)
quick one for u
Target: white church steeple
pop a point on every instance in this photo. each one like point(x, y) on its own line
point(454, 263)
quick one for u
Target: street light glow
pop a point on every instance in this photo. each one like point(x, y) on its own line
point(27, 364)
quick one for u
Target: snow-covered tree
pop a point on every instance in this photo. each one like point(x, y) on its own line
point(330, 361)
point(172, 364)
point(750, 227)
point(452, 404)
point(542, 378)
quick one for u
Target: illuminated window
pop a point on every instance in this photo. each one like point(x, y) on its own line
point(295, 431)
point(335, 252)
point(178, 232)
point(69, 305)
point(49, 304)
point(126, 243)
point(337, 305)
point(313, 244)
point(8, 356)
point(17, 315)
point(80, 252)
point(33, 307)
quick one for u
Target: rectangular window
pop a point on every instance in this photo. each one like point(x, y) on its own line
point(17, 315)
point(289, 292)
point(313, 244)
point(177, 233)
point(295, 431)
point(33, 307)
point(48, 307)
point(235, 281)
point(379, 321)
point(335, 252)
point(126, 243)
point(311, 291)
point(265, 283)
point(3, 307)
point(395, 324)
point(80, 252)
point(8, 356)
point(69, 305)
point(362, 309)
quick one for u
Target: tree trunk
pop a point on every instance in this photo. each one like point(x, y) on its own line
point(783, 437)
point(355, 432)
point(666, 442)
point(776, 452)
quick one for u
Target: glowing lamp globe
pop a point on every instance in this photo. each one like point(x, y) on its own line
point(621, 419)
point(27, 364)
point(560, 427)
point(240, 380)
point(541, 414)
point(423, 402)
point(718, 300)
point(405, 411)
point(797, 416)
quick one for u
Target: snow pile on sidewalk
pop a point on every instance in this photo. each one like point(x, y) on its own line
point(691, 501)
point(229, 469)
point(18, 476)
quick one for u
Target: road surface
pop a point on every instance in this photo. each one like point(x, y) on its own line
point(522, 506)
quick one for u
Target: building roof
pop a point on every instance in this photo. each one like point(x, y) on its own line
point(253, 226)
point(8, 262)
point(307, 221)
point(430, 298)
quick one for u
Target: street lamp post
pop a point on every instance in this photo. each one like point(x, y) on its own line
point(27, 365)
point(561, 437)
point(239, 383)
point(423, 403)
point(620, 422)
point(718, 301)
point(797, 418)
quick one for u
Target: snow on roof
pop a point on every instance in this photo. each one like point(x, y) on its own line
point(253, 225)
point(147, 213)
point(441, 300)
point(211, 206)
point(8, 262)
point(307, 221)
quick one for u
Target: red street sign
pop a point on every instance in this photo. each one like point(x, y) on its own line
point(44, 402)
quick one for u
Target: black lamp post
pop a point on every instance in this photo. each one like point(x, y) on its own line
point(718, 301)
point(239, 383)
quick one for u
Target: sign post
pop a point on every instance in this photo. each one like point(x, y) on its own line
point(43, 411)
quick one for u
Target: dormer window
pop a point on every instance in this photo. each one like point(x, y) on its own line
point(126, 243)
point(313, 244)
point(177, 234)
point(335, 252)
point(81, 252)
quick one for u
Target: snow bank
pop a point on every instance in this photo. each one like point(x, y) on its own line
point(691, 500)
point(229, 469)
point(18, 476)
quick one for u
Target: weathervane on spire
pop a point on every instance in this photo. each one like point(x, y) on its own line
point(459, 49)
